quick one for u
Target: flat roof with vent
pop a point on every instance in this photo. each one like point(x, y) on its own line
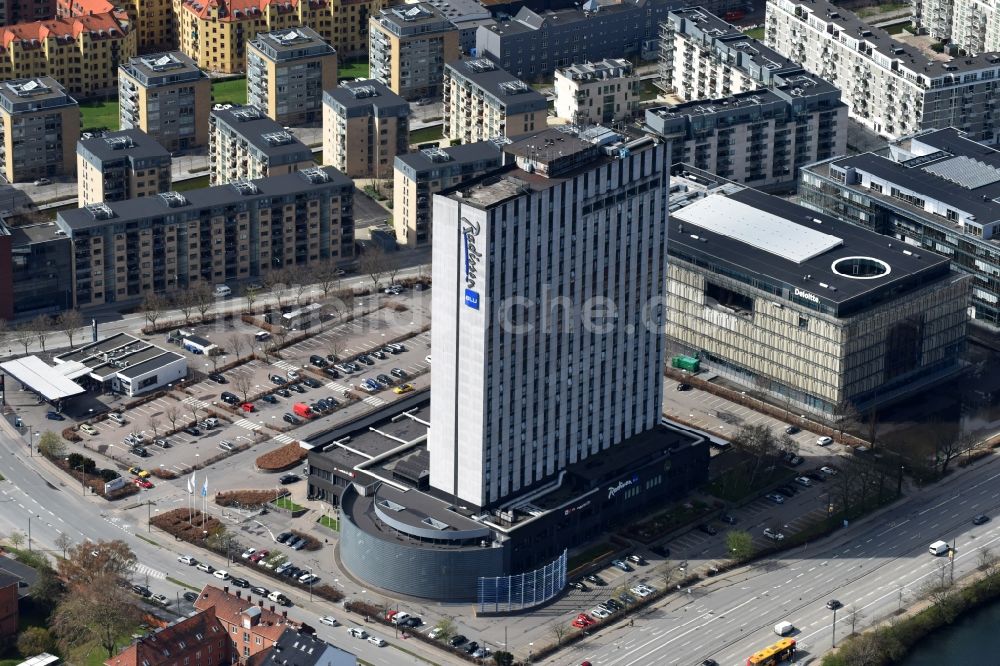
point(50, 382)
point(353, 99)
point(268, 138)
point(498, 85)
point(169, 68)
point(30, 94)
point(132, 144)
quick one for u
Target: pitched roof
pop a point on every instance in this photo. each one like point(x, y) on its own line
point(230, 608)
point(169, 645)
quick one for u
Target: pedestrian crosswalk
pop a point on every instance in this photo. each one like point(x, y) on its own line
point(285, 365)
point(282, 438)
point(374, 401)
point(334, 386)
point(247, 424)
point(195, 402)
point(143, 570)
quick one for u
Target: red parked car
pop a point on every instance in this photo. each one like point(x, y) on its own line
point(142, 483)
point(247, 407)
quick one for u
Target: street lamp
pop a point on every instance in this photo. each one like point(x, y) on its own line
point(834, 628)
point(29, 530)
point(310, 584)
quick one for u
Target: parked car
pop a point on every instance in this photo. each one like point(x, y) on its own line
point(160, 599)
point(594, 579)
point(310, 382)
point(218, 378)
point(824, 441)
point(297, 388)
point(239, 582)
point(204, 566)
point(775, 497)
point(829, 471)
point(54, 416)
point(803, 481)
point(248, 553)
point(288, 478)
point(619, 564)
point(260, 591)
point(773, 535)
point(291, 418)
point(269, 399)
point(318, 361)
point(87, 428)
point(259, 555)
point(226, 445)
point(708, 529)
point(403, 388)
point(190, 596)
point(221, 574)
point(791, 430)
point(142, 483)
point(331, 373)
point(457, 640)
point(683, 387)
point(399, 372)
point(328, 621)
point(279, 380)
point(600, 613)
point(188, 560)
point(728, 519)
point(283, 537)
point(141, 590)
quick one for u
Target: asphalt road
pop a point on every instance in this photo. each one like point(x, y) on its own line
point(34, 489)
point(874, 568)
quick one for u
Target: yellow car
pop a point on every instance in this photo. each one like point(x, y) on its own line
point(141, 473)
point(89, 429)
point(403, 388)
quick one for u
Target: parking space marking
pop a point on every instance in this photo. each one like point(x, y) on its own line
point(191, 400)
point(374, 401)
point(334, 386)
point(282, 438)
point(285, 365)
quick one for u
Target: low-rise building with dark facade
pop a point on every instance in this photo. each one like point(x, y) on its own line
point(401, 534)
point(36, 271)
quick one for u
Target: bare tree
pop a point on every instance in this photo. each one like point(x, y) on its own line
point(173, 414)
point(152, 308)
point(244, 384)
point(62, 542)
point(949, 444)
point(276, 283)
point(855, 616)
point(373, 263)
point(154, 425)
point(392, 266)
point(559, 631)
point(250, 296)
point(70, 322)
point(328, 277)
point(238, 344)
point(89, 562)
point(185, 302)
point(759, 442)
point(215, 358)
point(204, 299)
point(299, 279)
point(42, 325)
point(24, 335)
point(102, 610)
point(195, 409)
point(335, 342)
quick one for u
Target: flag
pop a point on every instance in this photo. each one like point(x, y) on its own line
point(204, 488)
point(191, 483)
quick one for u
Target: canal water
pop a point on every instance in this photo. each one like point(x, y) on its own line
point(973, 639)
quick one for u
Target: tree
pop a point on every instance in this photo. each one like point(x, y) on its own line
point(373, 263)
point(739, 544)
point(185, 302)
point(855, 616)
point(70, 322)
point(559, 631)
point(299, 282)
point(101, 610)
point(949, 443)
point(275, 283)
point(328, 277)
point(24, 335)
point(42, 326)
point(16, 539)
point(35, 640)
point(194, 409)
point(447, 628)
point(152, 308)
point(250, 296)
point(51, 445)
point(243, 383)
point(173, 413)
point(88, 563)
point(759, 442)
point(63, 541)
point(154, 425)
point(503, 658)
point(239, 344)
point(787, 445)
point(392, 266)
point(203, 299)
point(47, 588)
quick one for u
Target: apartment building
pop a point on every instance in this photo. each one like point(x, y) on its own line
point(36, 271)
point(534, 42)
point(81, 52)
point(592, 93)
point(150, 20)
point(813, 311)
point(418, 176)
point(704, 57)
point(128, 164)
point(214, 34)
point(891, 87)
point(197, 640)
point(408, 48)
point(39, 128)
point(252, 624)
point(244, 144)
point(123, 250)
point(935, 192)
point(166, 96)
point(483, 102)
point(287, 72)
point(971, 25)
point(23, 11)
point(761, 137)
point(365, 125)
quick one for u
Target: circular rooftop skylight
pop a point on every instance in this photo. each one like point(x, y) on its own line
point(861, 268)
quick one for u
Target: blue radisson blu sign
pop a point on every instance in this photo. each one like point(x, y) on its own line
point(470, 232)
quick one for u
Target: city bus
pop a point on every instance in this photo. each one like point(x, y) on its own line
point(774, 654)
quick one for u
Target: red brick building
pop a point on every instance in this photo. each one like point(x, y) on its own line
point(195, 641)
point(8, 605)
point(251, 626)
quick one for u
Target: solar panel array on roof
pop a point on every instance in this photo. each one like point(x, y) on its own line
point(765, 231)
point(965, 171)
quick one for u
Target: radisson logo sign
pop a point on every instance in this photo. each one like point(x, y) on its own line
point(470, 232)
point(622, 485)
point(806, 295)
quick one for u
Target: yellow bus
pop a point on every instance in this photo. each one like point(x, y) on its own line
point(780, 651)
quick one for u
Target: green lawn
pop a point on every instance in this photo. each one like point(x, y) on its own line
point(285, 503)
point(191, 184)
point(590, 554)
point(648, 92)
point(897, 28)
point(886, 8)
point(756, 33)
point(233, 91)
point(99, 114)
point(332, 523)
point(425, 134)
point(353, 70)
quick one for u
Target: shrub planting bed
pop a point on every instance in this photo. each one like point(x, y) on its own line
point(281, 458)
point(312, 543)
point(248, 499)
point(176, 524)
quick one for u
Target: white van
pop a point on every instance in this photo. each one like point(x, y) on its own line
point(939, 548)
point(399, 617)
point(279, 598)
point(784, 628)
point(117, 418)
point(358, 632)
point(222, 290)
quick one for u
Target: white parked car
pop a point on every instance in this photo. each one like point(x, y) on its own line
point(221, 573)
point(207, 568)
point(160, 599)
point(804, 481)
point(642, 591)
point(375, 640)
point(600, 613)
point(188, 560)
point(824, 441)
point(773, 535)
point(248, 552)
point(328, 621)
point(829, 471)
point(435, 632)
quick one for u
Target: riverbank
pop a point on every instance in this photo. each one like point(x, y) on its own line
point(892, 640)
